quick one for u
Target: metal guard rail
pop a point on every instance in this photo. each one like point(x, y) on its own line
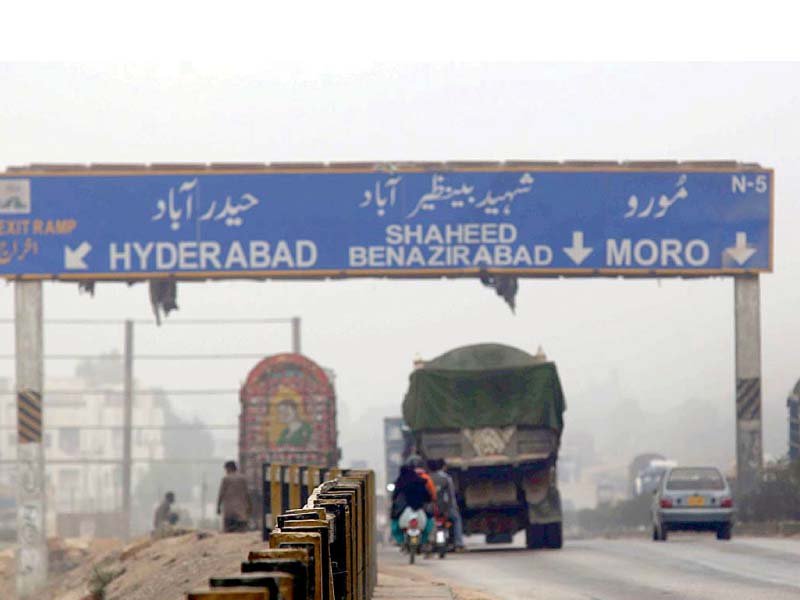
point(320, 528)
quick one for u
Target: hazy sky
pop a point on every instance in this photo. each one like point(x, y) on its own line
point(664, 342)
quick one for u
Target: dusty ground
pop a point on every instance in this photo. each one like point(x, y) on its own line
point(148, 570)
point(165, 569)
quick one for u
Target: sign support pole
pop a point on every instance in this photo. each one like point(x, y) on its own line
point(31, 555)
point(296, 335)
point(127, 419)
point(749, 457)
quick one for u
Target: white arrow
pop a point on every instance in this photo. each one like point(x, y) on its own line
point(73, 259)
point(741, 252)
point(577, 252)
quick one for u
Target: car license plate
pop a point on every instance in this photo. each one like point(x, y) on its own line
point(696, 501)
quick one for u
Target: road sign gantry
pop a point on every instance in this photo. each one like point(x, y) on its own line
point(449, 219)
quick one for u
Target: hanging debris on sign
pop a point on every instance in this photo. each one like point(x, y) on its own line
point(163, 297)
point(505, 285)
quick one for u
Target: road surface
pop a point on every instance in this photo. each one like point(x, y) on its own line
point(687, 567)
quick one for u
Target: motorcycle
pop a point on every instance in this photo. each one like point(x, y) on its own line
point(443, 541)
point(412, 523)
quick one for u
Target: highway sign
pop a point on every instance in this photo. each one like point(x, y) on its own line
point(386, 220)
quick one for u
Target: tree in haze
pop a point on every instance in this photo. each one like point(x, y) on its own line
point(191, 446)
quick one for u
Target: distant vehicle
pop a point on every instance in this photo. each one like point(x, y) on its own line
point(639, 463)
point(694, 499)
point(495, 415)
point(647, 480)
point(394, 444)
point(604, 493)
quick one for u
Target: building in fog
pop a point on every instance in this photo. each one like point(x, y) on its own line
point(83, 443)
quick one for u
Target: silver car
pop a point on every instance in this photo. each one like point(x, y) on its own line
point(694, 499)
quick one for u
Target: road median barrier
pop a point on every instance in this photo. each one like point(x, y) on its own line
point(318, 526)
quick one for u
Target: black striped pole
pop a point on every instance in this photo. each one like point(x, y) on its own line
point(29, 417)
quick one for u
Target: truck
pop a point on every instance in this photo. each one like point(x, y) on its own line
point(494, 413)
point(288, 415)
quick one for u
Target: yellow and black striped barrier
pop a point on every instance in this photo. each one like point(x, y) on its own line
point(320, 526)
point(29, 416)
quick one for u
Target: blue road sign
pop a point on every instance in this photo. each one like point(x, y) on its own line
point(409, 221)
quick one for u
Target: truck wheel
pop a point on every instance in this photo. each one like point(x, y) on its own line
point(724, 531)
point(534, 537)
point(553, 537)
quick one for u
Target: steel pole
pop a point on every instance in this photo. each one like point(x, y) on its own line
point(127, 419)
point(749, 457)
point(296, 347)
point(31, 554)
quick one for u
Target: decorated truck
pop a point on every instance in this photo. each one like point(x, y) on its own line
point(494, 413)
point(288, 415)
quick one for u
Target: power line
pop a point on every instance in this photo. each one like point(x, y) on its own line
point(145, 356)
point(145, 392)
point(135, 427)
point(248, 321)
point(119, 461)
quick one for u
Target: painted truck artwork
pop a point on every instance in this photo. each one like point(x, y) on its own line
point(288, 415)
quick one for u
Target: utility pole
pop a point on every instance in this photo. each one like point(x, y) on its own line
point(31, 555)
point(296, 335)
point(203, 500)
point(749, 457)
point(127, 418)
point(793, 403)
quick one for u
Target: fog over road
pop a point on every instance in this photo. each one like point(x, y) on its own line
point(691, 567)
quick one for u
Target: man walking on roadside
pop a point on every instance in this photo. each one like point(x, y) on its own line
point(234, 502)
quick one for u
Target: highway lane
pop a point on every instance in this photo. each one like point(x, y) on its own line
point(687, 567)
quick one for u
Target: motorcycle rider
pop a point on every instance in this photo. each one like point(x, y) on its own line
point(410, 492)
point(446, 503)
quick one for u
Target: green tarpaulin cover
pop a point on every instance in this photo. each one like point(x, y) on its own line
point(486, 385)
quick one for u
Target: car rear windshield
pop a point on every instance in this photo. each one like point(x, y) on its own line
point(695, 479)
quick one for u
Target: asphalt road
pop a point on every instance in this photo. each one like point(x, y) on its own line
point(687, 566)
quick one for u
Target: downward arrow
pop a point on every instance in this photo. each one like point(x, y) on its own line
point(741, 252)
point(577, 252)
point(73, 259)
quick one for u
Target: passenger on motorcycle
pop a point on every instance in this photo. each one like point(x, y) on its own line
point(410, 494)
point(446, 503)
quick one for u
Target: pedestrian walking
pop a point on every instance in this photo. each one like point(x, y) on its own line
point(234, 502)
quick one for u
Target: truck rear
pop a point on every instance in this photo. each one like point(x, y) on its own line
point(288, 416)
point(495, 415)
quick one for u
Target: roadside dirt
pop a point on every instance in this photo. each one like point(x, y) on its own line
point(167, 568)
point(150, 570)
point(409, 573)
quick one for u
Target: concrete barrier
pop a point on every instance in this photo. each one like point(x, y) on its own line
point(320, 528)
